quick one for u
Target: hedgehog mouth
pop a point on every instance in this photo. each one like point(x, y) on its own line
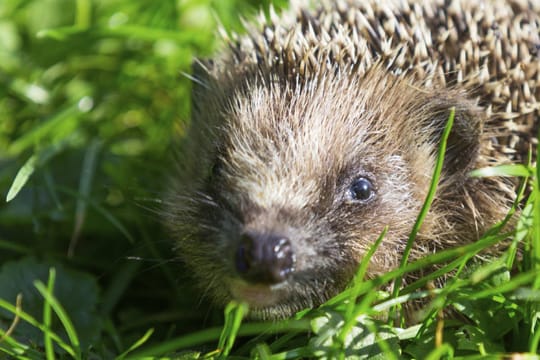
point(257, 296)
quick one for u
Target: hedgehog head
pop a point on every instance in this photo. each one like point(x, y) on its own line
point(284, 188)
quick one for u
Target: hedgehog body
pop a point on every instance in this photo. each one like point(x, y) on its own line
point(320, 127)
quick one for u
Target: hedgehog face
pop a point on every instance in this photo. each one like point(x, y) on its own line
point(288, 242)
point(302, 183)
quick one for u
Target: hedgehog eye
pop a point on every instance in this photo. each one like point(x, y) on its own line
point(361, 190)
point(216, 169)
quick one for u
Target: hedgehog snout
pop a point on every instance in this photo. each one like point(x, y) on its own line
point(263, 258)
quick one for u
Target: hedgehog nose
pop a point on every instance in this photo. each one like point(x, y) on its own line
point(264, 259)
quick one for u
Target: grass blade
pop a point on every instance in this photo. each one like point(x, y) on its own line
point(213, 334)
point(32, 321)
point(62, 315)
point(234, 314)
point(511, 170)
point(429, 198)
point(35, 161)
point(85, 185)
point(106, 214)
point(47, 318)
point(137, 344)
point(22, 177)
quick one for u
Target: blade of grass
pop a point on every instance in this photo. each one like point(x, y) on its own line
point(83, 14)
point(37, 160)
point(190, 340)
point(350, 314)
point(85, 185)
point(14, 354)
point(299, 353)
point(263, 351)
point(32, 321)
point(186, 38)
point(234, 314)
point(533, 347)
point(433, 259)
point(440, 352)
point(62, 316)
point(213, 334)
point(9, 331)
point(425, 207)
point(429, 198)
point(535, 233)
point(22, 177)
point(519, 170)
point(283, 341)
point(361, 273)
point(385, 305)
point(458, 263)
point(106, 214)
point(8, 245)
point(518, 234)
point(510, 170)
point(518, 280)
point(47, 318)
point(137, 344)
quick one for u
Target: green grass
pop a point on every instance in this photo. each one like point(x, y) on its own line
point(91, 100)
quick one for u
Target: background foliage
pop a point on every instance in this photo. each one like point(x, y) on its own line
point(91, 97)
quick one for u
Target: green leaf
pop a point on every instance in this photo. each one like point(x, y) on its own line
point(475, 339)
point(367, 339)
point(137, 344)
point(496, 315)
point(62, 315)
point(38, 159)
point(22, 177)
point(76, 292)
point(47, 317)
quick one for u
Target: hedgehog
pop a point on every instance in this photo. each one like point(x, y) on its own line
point(320, 127)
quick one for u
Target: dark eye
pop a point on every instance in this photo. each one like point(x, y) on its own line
point(361, 189)
point(216, 169)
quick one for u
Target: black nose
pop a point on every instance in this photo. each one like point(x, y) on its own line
point(264, 258)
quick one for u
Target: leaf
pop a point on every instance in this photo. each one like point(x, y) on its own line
point(495, 315)
point(85, 185)
point(137, 344)
point(35, 161)
point(53, 304)
point(76, 292)
point(22, 177)
point(366, 340)
point(475, 339)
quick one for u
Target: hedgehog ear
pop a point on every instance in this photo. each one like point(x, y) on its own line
point(463, 142)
